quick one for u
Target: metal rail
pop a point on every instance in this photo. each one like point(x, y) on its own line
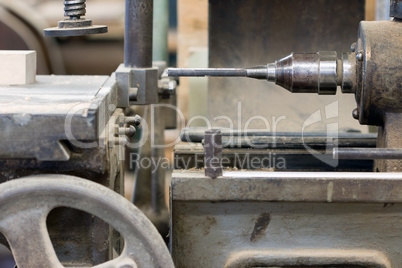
point(367, 153)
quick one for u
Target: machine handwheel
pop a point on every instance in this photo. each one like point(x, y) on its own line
point(25, 204)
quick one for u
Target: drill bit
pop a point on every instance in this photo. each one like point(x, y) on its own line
point(259, 72)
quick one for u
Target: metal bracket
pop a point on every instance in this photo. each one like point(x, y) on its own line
point(137, 86)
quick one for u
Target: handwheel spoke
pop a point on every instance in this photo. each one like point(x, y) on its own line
point(25, 204)
point(29, 240)
point(122, 261)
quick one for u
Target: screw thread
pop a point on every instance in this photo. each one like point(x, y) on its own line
point(74, 8)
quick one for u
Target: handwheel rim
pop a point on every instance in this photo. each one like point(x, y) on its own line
point(36, 196)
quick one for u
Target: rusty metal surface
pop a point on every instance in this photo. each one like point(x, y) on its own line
point(27, 202)
point(264, 31)
point(78, 238)
point(270, 219)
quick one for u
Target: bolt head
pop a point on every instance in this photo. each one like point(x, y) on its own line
point(353, 47)
point(360, 56)
point(356, 114)
point(133, 120)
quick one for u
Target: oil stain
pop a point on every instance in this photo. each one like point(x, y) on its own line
point(260, 226)
point(209, 222)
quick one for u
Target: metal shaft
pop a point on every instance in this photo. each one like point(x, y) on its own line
point(299, 72)
point(213, 72)
point(259, 72)
point(367, 153)
point(138, 34)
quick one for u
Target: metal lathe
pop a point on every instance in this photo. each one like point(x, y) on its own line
point(304, 182)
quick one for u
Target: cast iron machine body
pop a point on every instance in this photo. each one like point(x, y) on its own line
point(372, 72)
point(63, 150)
point(307, 214)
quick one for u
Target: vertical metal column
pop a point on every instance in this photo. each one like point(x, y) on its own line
point(138, 34)
point(161, 29)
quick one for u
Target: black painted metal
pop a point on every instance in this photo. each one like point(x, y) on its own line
point(396, 9)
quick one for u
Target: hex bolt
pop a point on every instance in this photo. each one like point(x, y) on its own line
point(360, 55)
point(353, 47)
point(213, 153)
point(356, 114)
point(133, 120)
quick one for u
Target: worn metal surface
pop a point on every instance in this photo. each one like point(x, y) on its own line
point(378, 93)
point(89, 241)
point(264, 31)
point(142, 81)
point(317, 257)
point(69, 30)
point(389, 136)
point(288, 187)
point(138, 34)
point(349, 77)
point(380, 71)
point(27, 202)
point(45, 106)
point(33, 117)
point(308, 73)
point(149, 189)
point(213, 153)
point(276, 219)
point(75, 25)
